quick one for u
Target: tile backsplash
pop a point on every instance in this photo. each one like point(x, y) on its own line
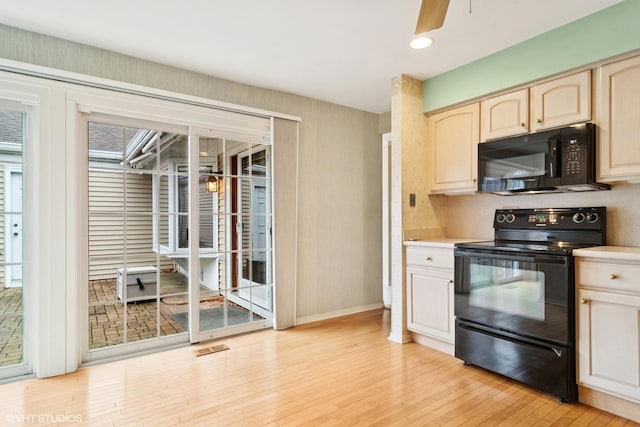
point(472, 215)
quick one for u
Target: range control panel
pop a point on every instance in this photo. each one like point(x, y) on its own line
point(556, 218)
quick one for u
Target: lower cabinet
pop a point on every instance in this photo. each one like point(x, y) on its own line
point(609, 334)
point(430, 296)
point(431, 303)
point(609, 354)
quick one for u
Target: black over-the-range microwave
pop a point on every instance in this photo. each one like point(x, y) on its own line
point(559, 160)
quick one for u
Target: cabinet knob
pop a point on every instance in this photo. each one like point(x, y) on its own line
point(613, 276)
point(539, 120)
point(584, 301)
point(523, 124)
point(428, 258)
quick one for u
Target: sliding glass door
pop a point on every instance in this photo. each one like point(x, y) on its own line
point(164, 263)
point(14, 129)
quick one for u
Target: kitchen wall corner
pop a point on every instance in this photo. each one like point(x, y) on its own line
point(408, 176)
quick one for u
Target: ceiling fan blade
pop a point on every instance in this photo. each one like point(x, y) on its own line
point(432, 13)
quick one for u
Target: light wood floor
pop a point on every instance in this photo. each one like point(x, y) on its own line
point(339, 372)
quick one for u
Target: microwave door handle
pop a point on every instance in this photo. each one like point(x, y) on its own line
point(554, 158)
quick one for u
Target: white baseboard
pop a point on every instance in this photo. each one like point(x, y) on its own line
point(440, 345)
point(402, 338)
point(338, 313)
point(606, 402)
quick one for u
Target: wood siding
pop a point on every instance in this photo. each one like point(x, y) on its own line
point(119, 224)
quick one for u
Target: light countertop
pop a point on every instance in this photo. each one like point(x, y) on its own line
point(444, 242)
point(628, 253)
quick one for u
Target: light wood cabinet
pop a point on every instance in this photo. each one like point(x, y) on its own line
point(608, 333)
point(617, 110)
point(609, 353)
point(561, 102)
point(453, 137)
point(555, 103)
point(505, 115)
point(430, 294)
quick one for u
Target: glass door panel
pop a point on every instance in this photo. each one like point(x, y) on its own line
point(211, 302)
point(13, 286)
point(254, 230)
point(138, 280)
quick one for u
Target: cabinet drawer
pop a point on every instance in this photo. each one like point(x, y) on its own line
point(430, 257)
point(608, 275)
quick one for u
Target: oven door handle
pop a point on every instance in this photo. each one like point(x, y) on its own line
point(538, 259)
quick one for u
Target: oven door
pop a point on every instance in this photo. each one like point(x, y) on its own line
point(529, 295)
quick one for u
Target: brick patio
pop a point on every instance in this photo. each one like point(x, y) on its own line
point(10, 326)
point(106, 312)
point(106, 315)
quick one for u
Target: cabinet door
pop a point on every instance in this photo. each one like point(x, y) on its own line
point(505, 115)
point(617, 111)
point(430, 303)
point(453, 139)
point(561, 102)
point(608, 333)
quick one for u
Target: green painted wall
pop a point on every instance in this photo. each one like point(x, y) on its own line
point(604, 34)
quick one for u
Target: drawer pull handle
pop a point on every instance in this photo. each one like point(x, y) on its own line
point(584, 301)
point(613, 276)
point(428, 258)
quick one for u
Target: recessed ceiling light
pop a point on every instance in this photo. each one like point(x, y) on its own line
point(421, 41)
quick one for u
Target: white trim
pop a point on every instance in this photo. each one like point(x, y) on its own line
point(337, 313)
point(77, 210)
point(136, 348)
point(386, 218)
point(48, 73)
point(194, 224)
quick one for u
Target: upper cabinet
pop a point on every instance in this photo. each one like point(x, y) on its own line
point(505, 115)
point(561, 102)
point(617, 110)
point(555, 103)
point(453, 137)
